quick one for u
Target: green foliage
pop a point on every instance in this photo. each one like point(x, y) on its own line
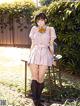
point(42, 9)
point(16, 10)
point(65, 18)
point(45, 2)
point(72, 102)
point(70, 89)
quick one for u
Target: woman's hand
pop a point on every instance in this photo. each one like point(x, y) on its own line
point(51, 47)
point(51, 50)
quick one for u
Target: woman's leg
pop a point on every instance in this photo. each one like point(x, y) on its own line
point(42, 70)
point(34, 71)
point(34, 83)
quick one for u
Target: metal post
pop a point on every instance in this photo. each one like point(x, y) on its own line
point(50, 88)
point(25, 76)
point(54, 74)
point(60, 80)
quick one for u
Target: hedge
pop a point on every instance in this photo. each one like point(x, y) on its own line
point(19, 9)
point(65, 18)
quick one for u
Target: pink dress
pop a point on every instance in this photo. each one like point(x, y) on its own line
point(40, 53)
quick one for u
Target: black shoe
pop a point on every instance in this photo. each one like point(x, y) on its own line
point(35, 101)
point(39, 103)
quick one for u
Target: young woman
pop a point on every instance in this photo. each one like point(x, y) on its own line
point(41, 54)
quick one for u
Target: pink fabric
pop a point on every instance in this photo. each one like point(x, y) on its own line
point(40, 53)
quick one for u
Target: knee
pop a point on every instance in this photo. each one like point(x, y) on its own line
point(41, 79)
point(42, 75)
point(35, 76)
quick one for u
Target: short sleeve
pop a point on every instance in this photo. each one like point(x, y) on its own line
point(32, 32)
point(53, 34)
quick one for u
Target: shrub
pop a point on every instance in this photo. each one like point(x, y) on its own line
point(65, 18)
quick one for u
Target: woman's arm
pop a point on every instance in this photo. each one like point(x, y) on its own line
point(53, 37)
point(32, 45)
point(31, 35)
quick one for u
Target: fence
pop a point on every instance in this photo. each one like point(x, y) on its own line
point(14, 32)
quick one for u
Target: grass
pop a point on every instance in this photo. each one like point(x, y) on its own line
point(12, 76)
point(12, 68)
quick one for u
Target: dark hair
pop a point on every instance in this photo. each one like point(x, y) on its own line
point(41, 16)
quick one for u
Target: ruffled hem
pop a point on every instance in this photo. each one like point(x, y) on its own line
point(39, 57)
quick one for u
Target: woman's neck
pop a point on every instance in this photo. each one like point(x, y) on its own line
point(44, 26)
point(42, 29)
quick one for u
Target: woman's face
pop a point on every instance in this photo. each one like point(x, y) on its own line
point(41, 22)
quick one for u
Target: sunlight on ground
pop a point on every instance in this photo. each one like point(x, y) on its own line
point(10, 1)
point(11, 67)
point(10, 55)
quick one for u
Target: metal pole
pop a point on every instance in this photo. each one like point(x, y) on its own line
point(25, 77)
